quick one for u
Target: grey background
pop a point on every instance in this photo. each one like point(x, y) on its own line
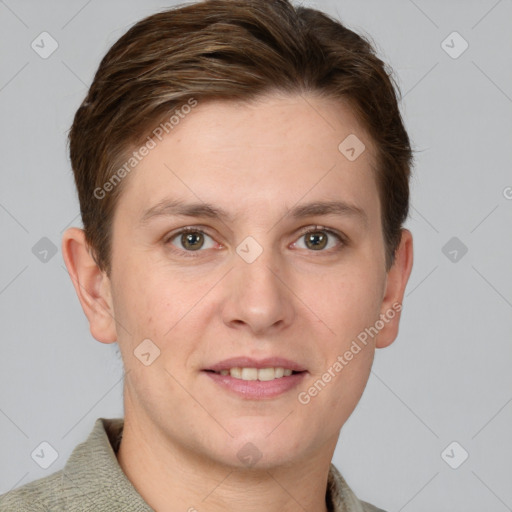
point(446, 378)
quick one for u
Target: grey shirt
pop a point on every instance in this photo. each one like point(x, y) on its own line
point(92, 480)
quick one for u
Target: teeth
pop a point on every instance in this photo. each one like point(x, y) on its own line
point(249, 374)
point(266, 374)
point(263, 374)
point(236, 372)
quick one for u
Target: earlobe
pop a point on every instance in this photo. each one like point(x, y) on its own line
point(92, 285)
point(397, 278)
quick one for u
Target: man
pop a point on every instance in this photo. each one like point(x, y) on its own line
point(242, 171)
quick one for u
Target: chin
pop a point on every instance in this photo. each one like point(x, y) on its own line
point(262, 449)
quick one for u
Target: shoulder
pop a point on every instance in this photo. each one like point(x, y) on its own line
point(368, 507)
point(37, 496)
point(82, 479)
point(342, 497)
point(81, 484)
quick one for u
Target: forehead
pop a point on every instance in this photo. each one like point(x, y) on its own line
point(264, 154)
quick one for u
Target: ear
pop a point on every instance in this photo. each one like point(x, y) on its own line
point(397, 278)
point(92, 285)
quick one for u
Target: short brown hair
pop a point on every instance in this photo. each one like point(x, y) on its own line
point(231, 50)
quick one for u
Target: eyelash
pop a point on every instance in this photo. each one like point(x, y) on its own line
point(194, 254)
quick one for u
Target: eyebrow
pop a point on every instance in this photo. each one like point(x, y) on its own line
point(317, 208)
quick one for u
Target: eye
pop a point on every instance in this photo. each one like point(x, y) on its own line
point(319, 238)
point(191, 239)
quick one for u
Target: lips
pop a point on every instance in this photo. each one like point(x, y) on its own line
point(256, 379)
point(249, 362)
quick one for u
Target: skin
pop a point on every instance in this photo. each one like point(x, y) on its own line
point(182, 431)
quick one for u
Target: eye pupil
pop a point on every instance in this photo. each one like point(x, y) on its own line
point(318, 240)
point(193, 240)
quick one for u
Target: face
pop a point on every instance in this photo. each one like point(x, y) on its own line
point(282, 266)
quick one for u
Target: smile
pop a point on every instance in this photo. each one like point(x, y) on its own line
point(256, 379)
point(262, 374)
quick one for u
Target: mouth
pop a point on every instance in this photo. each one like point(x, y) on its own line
point(260, 374)
point(256, 379)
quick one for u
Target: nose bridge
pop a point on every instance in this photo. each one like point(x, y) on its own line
point(259, 299)
point(259, 274)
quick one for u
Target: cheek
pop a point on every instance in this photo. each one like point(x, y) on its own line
point(143, 301)
point(154, 302)
point(354, 307)
point(347, 301)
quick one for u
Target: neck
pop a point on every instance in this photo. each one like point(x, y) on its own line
point(170, 478)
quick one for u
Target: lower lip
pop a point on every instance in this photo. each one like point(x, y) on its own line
point(257, 389)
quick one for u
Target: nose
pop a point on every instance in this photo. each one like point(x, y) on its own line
point(258, 296)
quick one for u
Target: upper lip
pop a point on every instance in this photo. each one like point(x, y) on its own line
point(249, 362)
